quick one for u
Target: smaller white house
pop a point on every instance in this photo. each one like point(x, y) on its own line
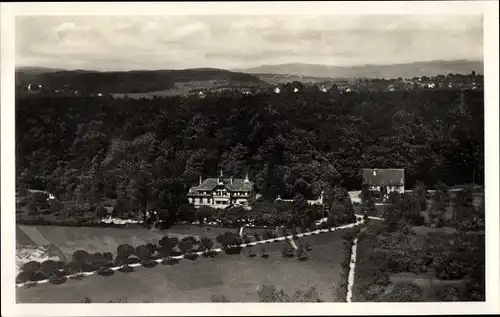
point(390, 179)
point(277, 90)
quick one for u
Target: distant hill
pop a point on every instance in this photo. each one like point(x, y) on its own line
point(131, 81)
point(431, 68)
point(37, 70)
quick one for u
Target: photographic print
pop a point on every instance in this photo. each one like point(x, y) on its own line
point(249, 158)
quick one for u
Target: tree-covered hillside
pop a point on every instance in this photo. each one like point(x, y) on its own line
point(152, 150)
point(130, 81)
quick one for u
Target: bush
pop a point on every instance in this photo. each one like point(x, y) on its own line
point(269, 294)
point(58, 280)
point(191, 255)
point(143, 252)
point(287, 251)
point(185, 245)
point(24, 277)
point(149, 264)
point(219, 299)
point(49, 268)
point(126, 269)
point(453, 269)
point(268, 235)
point(38, 276)
point(405, 293)
point(31, 266)
point(263, 253)
point(448, 294)
point(80, 256)
point(229, 239)
point(206, 243)
point(373, 291)
point(108, 256)
point(73, 267)
point(105, 272)
point(399, 263)
point(301, 253)
point(257, 236)
point(171, 261)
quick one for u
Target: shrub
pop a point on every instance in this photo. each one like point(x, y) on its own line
point(219, 299)
point(246, 239)
point(257, 236)
point(307, 246)
point(31, 266)
point(166, 245)
point(287, 251)
point(171, 261)
point(38, 276)
point(143, 252)
point(49, 268)
point(206, 243)
point(191, 255)
point(373, 291)
point(263, 253)
point(309, 296)
point(312, 226)
point(268, 235)
point(105, 271)
point(86, 300)
point(100, 211)
point(108, 256)
point(73, 267)
point(448, 294)
point(126, 269)
point(185, 246)
point(453, 269)
point(301, 253)
point(80, 256)
point(149, 264)
point(399, 263)
point(24, 277)
point(269, 294)
point(58, 280)
point(124, 251)
point(229, 239)
point(405, 293)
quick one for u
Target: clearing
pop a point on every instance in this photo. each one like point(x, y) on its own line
point(237, 277)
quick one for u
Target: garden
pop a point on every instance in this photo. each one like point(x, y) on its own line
point(422, 253)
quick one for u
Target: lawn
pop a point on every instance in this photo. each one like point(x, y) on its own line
point(237, 277)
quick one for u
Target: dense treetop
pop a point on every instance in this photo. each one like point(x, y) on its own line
point(152, 150)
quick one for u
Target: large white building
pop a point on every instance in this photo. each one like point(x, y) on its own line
point(222, 192)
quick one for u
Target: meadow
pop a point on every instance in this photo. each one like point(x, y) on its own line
point(236, 277)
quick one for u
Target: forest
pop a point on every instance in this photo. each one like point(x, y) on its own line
point(150, 151)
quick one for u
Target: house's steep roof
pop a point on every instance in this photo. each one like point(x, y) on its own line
point(383, 177)
point(209, 184)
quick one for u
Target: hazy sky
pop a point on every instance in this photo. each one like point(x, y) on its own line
point(173, 42)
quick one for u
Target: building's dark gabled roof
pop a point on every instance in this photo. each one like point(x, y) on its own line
point(383, 177)
point(209, 184)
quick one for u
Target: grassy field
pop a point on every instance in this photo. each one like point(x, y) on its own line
point(237, 277)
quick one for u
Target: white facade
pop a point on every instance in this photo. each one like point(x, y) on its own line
point(222, 193)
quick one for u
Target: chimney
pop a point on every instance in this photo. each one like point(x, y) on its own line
point(231, 180)
point(246, 178)
point(200, 179)
point(220, 179)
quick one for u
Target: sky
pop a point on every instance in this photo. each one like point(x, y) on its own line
point(228, 42)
